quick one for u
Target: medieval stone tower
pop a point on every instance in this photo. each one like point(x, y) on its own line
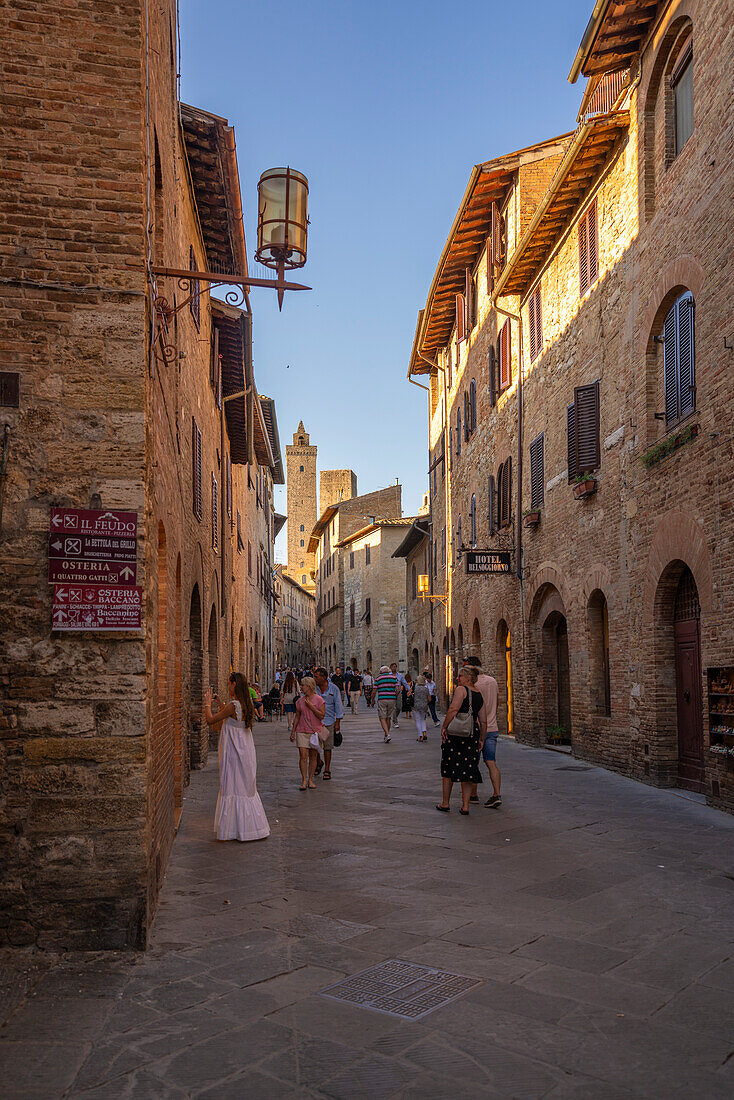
point(335, 486)
point(302, 506)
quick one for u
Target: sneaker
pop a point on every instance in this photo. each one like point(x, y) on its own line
point(474, 798)
point(494, 802)
point(387, 740)
point(395, 726)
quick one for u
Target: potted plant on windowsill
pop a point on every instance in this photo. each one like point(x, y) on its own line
point(584, 485)
point(531, 517)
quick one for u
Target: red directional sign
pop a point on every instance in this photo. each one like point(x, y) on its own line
point(97, 607)
point(93, 521)
point(64, 570)
point(92, 547)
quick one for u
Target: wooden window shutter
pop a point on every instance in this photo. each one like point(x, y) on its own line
point(473, 404)
point(670, 368)
point(588, 448)
point(196, 468)
point(593, 243)
point(571, 429)
point(537, 475)
point(460, 317)
point(469, 299)
point(508, 490)
point(686, 355)
point(583, 257)
point(458, 431)
point(491, 507)
point(505, 355)
point(467, 417)
point(215, 514)
point(492, 375)
point(536, 324)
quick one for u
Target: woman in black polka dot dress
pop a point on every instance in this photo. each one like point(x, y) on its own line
point(460, 755)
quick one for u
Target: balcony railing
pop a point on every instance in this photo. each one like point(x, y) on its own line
point(606, 94)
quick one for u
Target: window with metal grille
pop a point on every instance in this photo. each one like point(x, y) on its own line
point(504, 494)
point(367, 550)
point(504, 354)
point(582, 418)
point(588, 250)
point(536, 324)
point(473, 520)
point(215, 514)
point(681, 82)
point(196, 468)
point(679, 360)
point(194, 291)
point(537, 473)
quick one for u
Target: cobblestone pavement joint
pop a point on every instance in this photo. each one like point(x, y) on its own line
point(597, 913)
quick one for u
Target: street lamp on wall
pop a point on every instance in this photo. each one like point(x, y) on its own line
point(282, 221)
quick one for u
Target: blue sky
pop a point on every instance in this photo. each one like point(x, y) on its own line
point(385, 107)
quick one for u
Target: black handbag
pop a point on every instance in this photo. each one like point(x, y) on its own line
point(337, 739)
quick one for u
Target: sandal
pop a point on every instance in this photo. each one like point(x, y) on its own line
point(443, 809)
point(303, 788)
point(464, 812)
point(311, 785)
point(326, 775)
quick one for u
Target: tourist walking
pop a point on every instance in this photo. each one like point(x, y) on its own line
point(309, 719)
point(290, 692)
point(338, 679)
point(408, 688)
point(368, 685)
point(462, 735)
point(420, 707)
point(402, 682)
point(355, 691)
point(432, 695)
point(333, 714)
point(239, 814)
point(387, 690)
point(487, 685)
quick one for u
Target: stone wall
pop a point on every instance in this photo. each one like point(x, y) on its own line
point(335, 486)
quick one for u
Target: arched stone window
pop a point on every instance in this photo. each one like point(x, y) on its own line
point(669, 114)
point(599, 679)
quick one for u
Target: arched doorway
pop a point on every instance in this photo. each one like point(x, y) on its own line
point(556, 679)
point(369, 660)
point(195, 676)
point(687, 641)
point(504, 678)
point(416, 660)
point(213, 644)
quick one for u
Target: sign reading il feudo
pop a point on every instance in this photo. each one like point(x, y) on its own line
point(92, 564)
point(488, 561)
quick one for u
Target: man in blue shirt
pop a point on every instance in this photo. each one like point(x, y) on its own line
point(402, 684)
point(333, 715)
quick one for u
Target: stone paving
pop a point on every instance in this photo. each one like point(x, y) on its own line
point(597, 913)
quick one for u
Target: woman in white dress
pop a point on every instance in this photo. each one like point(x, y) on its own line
point(239, 814)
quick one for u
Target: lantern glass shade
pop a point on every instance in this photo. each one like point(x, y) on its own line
point(282, 222)
point(423, 584)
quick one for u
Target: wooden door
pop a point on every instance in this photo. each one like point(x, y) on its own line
point(689, 704)
point(564, 677)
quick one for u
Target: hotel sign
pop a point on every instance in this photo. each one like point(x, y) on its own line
point(488, 561)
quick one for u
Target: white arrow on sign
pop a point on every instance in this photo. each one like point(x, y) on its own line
point(57, 545)
point(126, 572)
point(56, 521)
point(59, 615)
point(61, 594)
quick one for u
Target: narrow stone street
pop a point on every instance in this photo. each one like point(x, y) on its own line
point(594, 913)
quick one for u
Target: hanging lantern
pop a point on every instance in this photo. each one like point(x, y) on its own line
point(282, 222)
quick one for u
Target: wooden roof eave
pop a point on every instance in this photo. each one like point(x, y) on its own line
point(628, 29)
point(515, 279)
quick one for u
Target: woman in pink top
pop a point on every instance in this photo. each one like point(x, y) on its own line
point(310, 710)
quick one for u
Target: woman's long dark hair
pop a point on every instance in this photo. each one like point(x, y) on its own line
point(242, 692)
point(290, 682)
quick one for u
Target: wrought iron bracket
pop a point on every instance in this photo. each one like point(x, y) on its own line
point(190, 282)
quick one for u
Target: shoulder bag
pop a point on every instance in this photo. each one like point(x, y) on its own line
point(462, 725)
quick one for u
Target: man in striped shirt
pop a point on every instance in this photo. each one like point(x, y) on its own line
point(387, 688)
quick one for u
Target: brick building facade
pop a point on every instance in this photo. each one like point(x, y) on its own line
point(123, 404)
point(296, 624)
point(335, 524)
point(580, 411)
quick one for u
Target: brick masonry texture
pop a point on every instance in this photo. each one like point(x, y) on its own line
point(665, 226)
point(98, 732)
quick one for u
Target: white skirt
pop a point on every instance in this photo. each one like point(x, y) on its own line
point(239, 814)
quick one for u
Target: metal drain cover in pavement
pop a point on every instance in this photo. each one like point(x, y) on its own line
point(572, 768)
point(400, 988)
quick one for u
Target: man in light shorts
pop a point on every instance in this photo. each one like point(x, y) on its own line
point(387, 687)
point(487, 685)
point(402, 683)
point(333, 714)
